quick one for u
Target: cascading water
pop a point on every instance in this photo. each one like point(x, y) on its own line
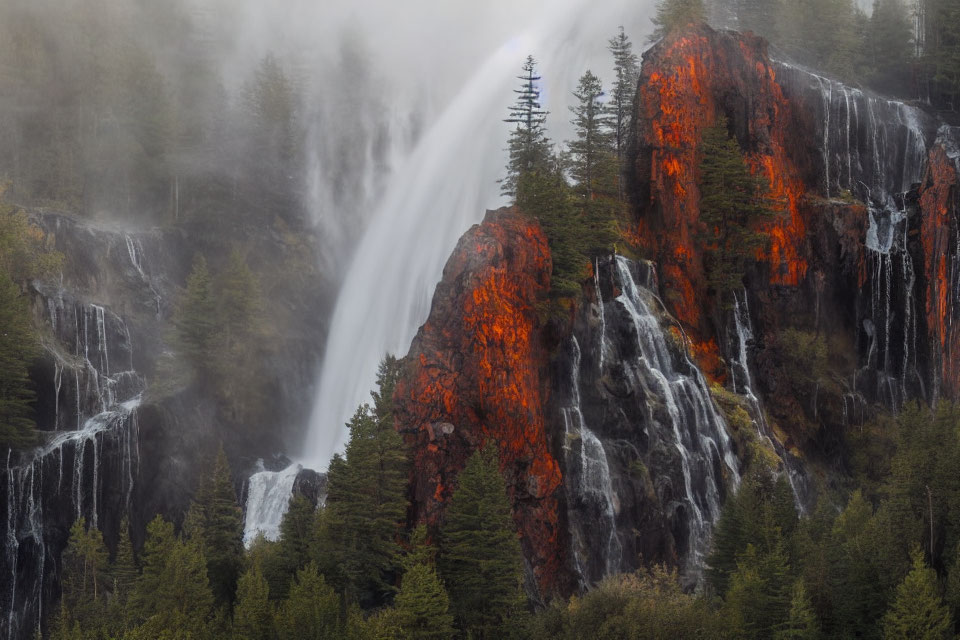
point(434, 194)
point(588, 486)
point(68, 476)
point(742, 382)
point(694, 428)
point(875, 150)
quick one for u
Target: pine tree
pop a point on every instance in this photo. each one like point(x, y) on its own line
point(889, 45)
point(758, 601)
point(292, 552)
point(591, 150)
point(676, 14)
point(422, 607)
point(215, 523)
point(239, 333)
point(18, 347)
point(173, 593)
point(732, 203)
point(124, 565)
point(626, 66)
point(480, 558)
point(366, 500)
point(311, 611)
point(918, 612)
point(85, 577)
point(196, 318)
point(528, 146)
point(252, 616)
point(802, 623)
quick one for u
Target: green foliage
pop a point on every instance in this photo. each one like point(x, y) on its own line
point(215, 523)
point(626, 67)
point(195, 319)
point(253, 615)
point(758, 600)
point(648, 604)
point(366, 500)
point(480, 557)
point(124, 566)
point(918, 612)
point(85, 578)
point(676, 14)
point(18, 347)
point(802, 622)
point(311, 611)
point(422, 607)
point(528, 146)
point(732, 203)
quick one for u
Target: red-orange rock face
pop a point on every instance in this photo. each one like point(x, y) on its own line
point(938, 201)
point(688, 80)
point(475, 379)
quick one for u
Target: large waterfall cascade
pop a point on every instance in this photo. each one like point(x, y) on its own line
point(434, 194)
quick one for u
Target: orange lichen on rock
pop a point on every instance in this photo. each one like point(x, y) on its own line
point(476, 380)
point(938, 201)
point(687, 81)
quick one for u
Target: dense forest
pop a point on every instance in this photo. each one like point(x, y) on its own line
point(101, 123)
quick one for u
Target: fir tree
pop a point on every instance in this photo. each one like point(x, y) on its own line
point(85, 577)
point(18, 347)
point(528, 146)
point(732, 203)
point(196, 318)
point(366, 500)
point(311, 611)
point(252, 615)
point(802, 622)
point(292, 552)
point(917, 612)
point(676, 14)
point(626, 66)
point(758, 601)
point(480, 558)
point(591, 150)
point(422, 607)
point(124, 565)
point(215, 522)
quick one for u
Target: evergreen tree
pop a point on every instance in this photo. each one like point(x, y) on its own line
point(85, 578)
point(124, 565)
point(546, 196)
point(366, 500)
point(480, 558)
point(802, 622)
point(196, 318)
point(590, 152)
point(292, 552)
point(528, 146)
point(252, 616)
point(758, 601)
point(422, 607)
point(159, 546)
point(676, 14)
point(215, 523)
point(918, 613)
point(889, 45)
point(732, 203)
point(311, 611)
point(18, 347)
point(626, 66)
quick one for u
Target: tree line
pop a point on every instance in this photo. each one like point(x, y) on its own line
point(905, 49)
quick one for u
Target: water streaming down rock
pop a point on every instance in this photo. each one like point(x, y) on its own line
point(86, 467)
point(666, 455)
point(589, 488)
point(434, 194)
point(742, 383)
point(875, 150)
point(268, 494)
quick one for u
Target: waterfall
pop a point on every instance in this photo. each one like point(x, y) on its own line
point(268, 495)
point(699, 434)
point(874, 149)
point(588, 485)
point(743, 328)
point(67, 477)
